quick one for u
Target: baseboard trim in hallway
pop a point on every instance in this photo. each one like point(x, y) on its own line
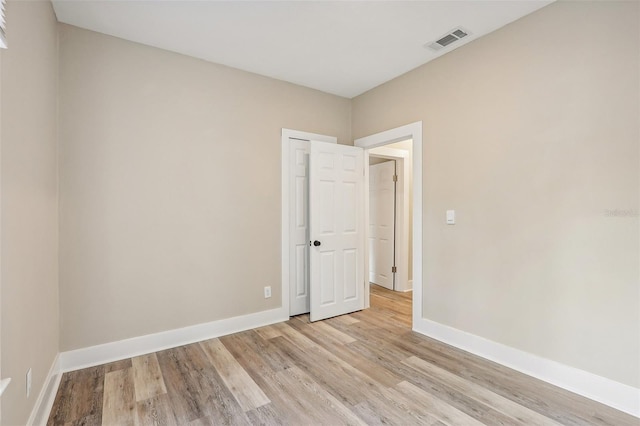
point(606, 391)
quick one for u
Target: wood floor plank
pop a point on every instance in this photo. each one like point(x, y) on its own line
point(382, 375)
point(244, 389)
point(344, 319)
point(62, 402)
point(245, 351)
point(79, 396)
point(156, 411)
point(117, 365)
point(314, 400)
point(90, 420)
point(437, 407)
point(479, 393)
point(392, 407)
point(475, 409)
point(265, 415)
point(366, 367)
point(325, 372)
point(372, 415)
point(262, 371)
point(118, 407)
point(202, 421)
point(147, 377)
point(349, 385)
point(253, 342)
point(195, 388)
point(175, 365)
point(370, 319)
point(268, 332)
point(331, 333)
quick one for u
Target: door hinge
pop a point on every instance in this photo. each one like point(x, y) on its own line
point(394, 269)
point(395, 178)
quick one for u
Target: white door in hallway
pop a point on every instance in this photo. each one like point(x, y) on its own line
point(382, 195)
point(336, 218)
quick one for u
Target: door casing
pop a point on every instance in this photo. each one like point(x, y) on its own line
point(411, 131)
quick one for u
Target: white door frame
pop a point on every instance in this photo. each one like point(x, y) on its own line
point(410, 131)
point(402, 214)
point(286, 242)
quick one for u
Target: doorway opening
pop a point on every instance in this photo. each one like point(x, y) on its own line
point(409, 135)
point(389, 230)
point(383, 182)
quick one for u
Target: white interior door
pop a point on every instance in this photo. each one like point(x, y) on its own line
point(382, 223)
point(336, 219)
point(299, 302)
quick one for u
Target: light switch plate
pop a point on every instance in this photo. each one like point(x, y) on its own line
point(451, 217)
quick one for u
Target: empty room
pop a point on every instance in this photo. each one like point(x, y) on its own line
point(319, 212)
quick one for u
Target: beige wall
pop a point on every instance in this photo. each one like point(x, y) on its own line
point(29, 224)
point(170, 186)
point(532, 134)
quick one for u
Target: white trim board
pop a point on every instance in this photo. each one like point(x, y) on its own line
point(614, 394)
point(128, 348)
point(42, 408)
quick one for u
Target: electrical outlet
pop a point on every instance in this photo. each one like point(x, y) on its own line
point(28, 383)
point(267, 292)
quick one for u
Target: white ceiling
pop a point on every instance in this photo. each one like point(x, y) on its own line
point(339, 47)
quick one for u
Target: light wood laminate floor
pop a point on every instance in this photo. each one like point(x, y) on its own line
point(364, 368)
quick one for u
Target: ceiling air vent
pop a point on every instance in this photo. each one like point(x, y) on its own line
point(447, 39)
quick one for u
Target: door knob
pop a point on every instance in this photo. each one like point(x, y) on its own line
point(316, 243)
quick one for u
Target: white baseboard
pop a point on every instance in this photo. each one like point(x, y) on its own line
point(617, 395)
point(122, 349)
point(42, 408)
point(128, 348)
point(614, 394)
